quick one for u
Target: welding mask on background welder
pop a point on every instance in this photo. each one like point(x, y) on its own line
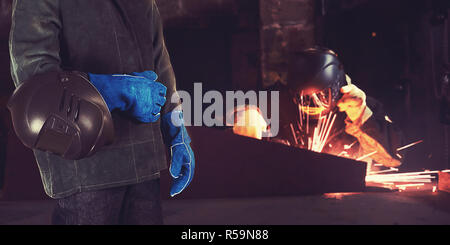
point(315, 78)
point(61, 113)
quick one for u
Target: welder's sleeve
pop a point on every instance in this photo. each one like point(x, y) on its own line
point(34, 38)
point(379, 133)
point(163, 66)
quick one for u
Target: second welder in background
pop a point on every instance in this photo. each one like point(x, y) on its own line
point(316, 86)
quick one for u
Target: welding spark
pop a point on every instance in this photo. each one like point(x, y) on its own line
point(409, 185)
point(418, 173)
point(300, 109)
point(342, 153)
point(327, 128)
point(366, 156)
point(321, 132)
point(388, 119)
point(307, 122)
point(407, 146)
point(403, 187)
point(399, 176)
point(347, 147)
point(401, 181)
point(293, 134)
point(385, 171)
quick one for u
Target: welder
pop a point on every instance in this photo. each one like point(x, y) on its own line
point(94, 100)
point(317, 86)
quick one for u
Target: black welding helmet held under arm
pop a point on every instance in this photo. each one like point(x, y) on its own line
point(315, 77)
point(61, 113)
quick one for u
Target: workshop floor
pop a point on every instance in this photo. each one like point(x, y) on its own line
point(376, 208)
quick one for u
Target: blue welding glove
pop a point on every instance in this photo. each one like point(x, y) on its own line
point(182, 157)
point(138, 94)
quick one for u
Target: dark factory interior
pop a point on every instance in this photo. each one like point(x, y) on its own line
point(396, 51)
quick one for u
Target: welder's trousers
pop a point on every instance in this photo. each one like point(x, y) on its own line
point(138, 204)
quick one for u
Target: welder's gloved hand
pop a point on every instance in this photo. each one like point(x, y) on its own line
point(353, 103)
point(138, 94)
point(182, 157)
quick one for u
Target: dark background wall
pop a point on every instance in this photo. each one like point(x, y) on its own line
point(213, 42)
point(5, 22)
point(19, 175)
point(391, 49)
point(394, 50)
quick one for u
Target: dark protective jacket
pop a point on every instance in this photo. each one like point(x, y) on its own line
point(103, 37)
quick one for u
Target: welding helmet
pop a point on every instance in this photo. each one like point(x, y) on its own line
point(61, 113)
point(315, 77)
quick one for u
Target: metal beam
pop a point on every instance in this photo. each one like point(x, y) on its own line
point(230, 166)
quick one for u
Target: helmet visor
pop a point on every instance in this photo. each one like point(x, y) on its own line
point(316, 103)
